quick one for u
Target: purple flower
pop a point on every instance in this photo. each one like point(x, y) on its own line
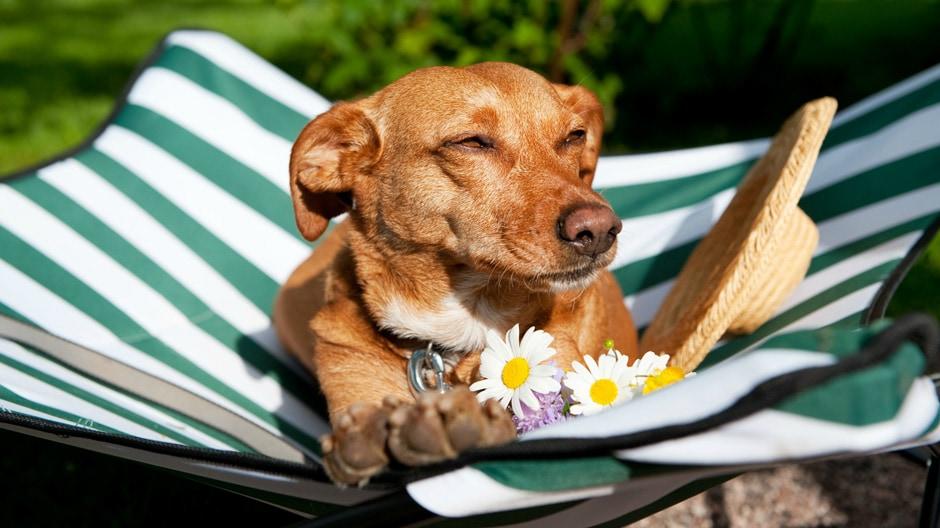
point(551, 410)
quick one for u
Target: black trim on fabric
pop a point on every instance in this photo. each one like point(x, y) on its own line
point(879, 305)
point(235, 459)
point(919, 328)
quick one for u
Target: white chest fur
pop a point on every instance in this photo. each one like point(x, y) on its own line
point(458, 322)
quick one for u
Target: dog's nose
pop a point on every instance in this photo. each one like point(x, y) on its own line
point(589, 229)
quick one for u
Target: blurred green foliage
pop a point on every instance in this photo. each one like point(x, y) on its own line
point(671, 73)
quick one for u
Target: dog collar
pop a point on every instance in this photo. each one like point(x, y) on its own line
point(424, 365)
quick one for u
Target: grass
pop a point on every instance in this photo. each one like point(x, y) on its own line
point(62, 63)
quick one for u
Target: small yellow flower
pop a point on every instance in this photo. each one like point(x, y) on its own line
point(653, 372)
point(667, 376)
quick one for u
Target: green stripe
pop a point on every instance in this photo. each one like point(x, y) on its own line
point(243, 183)
point(130, 258)
point(239, 272)
point(871, 396)
point(97, 401)
point(885, 114)
point(268, 112)
point(54, 277)
point(836, 292)
point(834, 339)
point(652, 271)
point(875, 185)
point(656, 197)
point(190, 421)
point(862, 398)
point(841, 253)
point(555, 475)
point(645, 273)
point(7, 394)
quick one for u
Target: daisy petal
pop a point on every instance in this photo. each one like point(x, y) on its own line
point(516, 406)
point(528, 398)
point(540, 355)
point(490, 366)
point(592, 366)
point(512, 339)
point(487, 384)
point(543, 371)
point(544, 385)
point(580, 369)
point(497, 346)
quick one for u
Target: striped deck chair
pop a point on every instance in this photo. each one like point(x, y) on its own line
point(137, 274)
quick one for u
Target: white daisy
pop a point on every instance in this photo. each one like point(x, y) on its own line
point(604, 383)
point(512, 370)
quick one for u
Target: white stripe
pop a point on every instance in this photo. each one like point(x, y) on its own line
point(136, 226)
point(825, 278)
point(736, 377)
point(148, 309)
point(15, 351)
point(481, 494)
point(834, 233)
point(774, 436)
point(643, 305)
point(914, 133)
point(650, 235)
point(216, 120)
point(880, 216)
point(256, 238)
point(835, 311)
point(43, 393)
point(884, 97)
point(9, 406)
point(617, 171)
point(55, 315)
point(244, 64)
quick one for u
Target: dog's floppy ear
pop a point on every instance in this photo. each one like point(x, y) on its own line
point(585, 104)
point(325, 161)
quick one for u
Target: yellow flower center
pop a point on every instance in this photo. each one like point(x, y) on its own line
point(515, 372)
point(604, 391)
point(667, 376)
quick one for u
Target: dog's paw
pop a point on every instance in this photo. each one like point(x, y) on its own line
point(356, 448)
point(439, 426)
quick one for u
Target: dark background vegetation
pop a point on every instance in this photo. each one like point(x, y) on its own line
point(671, 73)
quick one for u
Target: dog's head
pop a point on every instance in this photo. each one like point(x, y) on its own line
point(490, 166)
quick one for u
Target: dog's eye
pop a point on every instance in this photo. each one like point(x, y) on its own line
point(576, 136)
point(473, 142)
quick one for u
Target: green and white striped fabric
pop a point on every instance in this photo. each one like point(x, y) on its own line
point(150, 256)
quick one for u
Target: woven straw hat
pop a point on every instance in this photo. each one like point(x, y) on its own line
point(754, 256)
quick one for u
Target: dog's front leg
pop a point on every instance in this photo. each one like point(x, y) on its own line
point(369, 430)
point(362, 389)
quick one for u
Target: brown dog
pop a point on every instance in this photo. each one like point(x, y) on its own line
point(470, 208)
